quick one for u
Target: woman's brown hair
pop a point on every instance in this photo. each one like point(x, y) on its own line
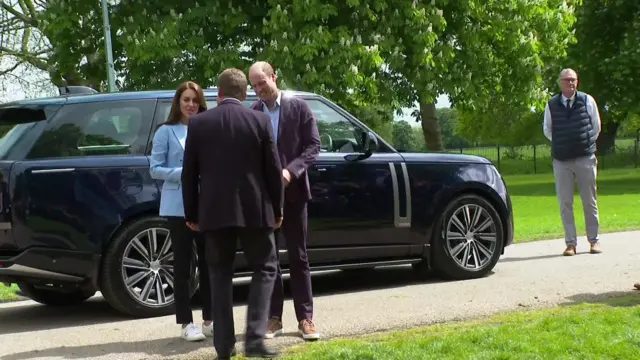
point(174, 113)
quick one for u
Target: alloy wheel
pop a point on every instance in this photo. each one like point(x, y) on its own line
point(471, 237)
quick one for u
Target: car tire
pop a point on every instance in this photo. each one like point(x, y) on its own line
point(55, 297)
point(131, 300)
point(450, 244)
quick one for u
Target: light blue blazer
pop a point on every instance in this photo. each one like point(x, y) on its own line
point(166, 164)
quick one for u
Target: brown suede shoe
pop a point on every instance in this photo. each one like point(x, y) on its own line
point(569, 251)
point(307, 329)
point(595, 248)
point(274, 328)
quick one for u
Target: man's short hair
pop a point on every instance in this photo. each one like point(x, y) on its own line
point(233, 83)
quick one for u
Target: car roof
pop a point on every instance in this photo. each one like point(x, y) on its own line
point(128, 95)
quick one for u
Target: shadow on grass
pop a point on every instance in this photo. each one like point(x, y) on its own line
point(628, 298)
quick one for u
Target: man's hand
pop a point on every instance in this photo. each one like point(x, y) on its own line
point(193, 226)
point(278, 222)
point(286, 175)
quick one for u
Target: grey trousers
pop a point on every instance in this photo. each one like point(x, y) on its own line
point(582, 170)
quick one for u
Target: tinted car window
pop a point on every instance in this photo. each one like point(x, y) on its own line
point(165, 106)
point(99, 128)
point(17, 129)
point(337, 133)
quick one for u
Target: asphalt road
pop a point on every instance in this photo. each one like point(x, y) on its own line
point(531, 275)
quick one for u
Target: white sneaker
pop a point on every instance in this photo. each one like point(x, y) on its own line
point(207, 330)
point(191, 333)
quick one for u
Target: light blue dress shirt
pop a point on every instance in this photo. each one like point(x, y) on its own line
point(274, 115)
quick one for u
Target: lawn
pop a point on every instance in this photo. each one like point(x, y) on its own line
point(8, 293)
point(537, 213)
point(609, 330)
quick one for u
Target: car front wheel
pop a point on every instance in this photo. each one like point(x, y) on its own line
point(468, 239)
point(137, 271)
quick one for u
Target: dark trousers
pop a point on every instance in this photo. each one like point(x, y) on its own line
point(294, 229)
point(259, 249)
point(182, 240)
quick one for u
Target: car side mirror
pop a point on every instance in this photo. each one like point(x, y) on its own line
point(370, 142)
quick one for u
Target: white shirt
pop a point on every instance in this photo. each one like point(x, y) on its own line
point(592, 110)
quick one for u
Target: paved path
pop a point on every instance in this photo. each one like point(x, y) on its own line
point(530, 275)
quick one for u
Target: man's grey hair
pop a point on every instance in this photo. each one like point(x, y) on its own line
point(564, 71)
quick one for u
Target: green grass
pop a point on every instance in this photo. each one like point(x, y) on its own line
point(609, 330)
point(537, 213)
point(8, 293)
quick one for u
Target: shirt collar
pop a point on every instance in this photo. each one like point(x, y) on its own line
point(564, 98)
point(230, 99)
point(278, 99)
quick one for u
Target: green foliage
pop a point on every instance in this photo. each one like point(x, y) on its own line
point(502, 124)
point(606, 55)
point(404, 138)
point(451, 137)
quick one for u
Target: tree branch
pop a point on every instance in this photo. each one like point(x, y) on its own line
point(18, 15)
point(29, 58)
point(13, 68)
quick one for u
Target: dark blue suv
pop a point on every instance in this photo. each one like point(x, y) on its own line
point(79, 210)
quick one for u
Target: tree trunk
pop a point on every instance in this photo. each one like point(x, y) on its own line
point(430, 126)
point(607, 139)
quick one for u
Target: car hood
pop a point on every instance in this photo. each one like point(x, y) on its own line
point(443, 158)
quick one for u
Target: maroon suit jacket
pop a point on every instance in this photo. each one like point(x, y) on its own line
point(298, 144)
point(231, 174)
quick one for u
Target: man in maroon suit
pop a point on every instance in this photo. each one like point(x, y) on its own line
point(233, 190)
point(296, 135)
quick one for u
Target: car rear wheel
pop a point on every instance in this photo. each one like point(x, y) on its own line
point(468, 239)
point(137, 271)
point(55, 296)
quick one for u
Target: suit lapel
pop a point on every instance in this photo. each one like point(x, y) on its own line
point(284, 114)
point(173, 131)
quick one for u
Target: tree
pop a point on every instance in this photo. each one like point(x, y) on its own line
point(408, 51)
point(24, 50)
point(607, 61)
point(403, 137)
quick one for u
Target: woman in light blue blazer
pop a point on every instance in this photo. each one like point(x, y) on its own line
point(166, 165)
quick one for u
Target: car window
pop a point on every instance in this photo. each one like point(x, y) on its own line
point(100, 128)
point(164, 107)
point(337, 133)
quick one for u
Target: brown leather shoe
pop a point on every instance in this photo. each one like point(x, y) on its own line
point(569, 251)
point(307, 329)
point(637, 286)
point(274, 328)
point(595, 248)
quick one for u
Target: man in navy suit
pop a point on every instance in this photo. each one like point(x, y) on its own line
point(298, 141)
point(233, 190)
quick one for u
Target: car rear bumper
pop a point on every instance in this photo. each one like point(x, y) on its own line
point(44, 265)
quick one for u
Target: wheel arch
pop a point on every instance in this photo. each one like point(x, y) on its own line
point(135, 215)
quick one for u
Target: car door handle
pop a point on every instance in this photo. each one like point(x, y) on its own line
point(50, 171)
point(324, 167)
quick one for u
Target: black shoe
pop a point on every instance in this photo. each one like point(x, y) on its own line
point(259, 351)
point(233, 353)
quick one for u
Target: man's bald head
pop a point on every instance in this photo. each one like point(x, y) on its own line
point(261, 66)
